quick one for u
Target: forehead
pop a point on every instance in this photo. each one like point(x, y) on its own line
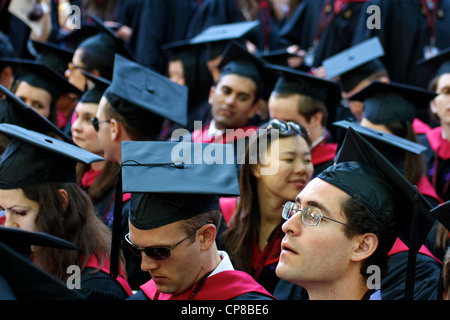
point(444, 81)
point(238, 83)
point(83, 107)
point(161, 236)
point(324, 193)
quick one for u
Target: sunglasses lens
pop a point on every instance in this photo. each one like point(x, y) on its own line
point(94, 122)
point(134, 250)
point(158, 253)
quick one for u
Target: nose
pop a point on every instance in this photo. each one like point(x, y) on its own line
point(230, 99)
point(10, 222)
point(148, 264)
point(300, 167)
point(67, 73)
point(293, 225)
point(76, 126)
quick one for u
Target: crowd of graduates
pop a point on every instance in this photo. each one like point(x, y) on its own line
point(94, 102)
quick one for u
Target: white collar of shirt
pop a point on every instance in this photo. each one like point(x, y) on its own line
point(224, 265)
point(213, 131)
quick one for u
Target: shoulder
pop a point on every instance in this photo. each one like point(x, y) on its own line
point(98, 285)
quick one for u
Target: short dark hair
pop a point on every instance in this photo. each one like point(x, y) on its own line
point(361, 220)
point(308, 106)
point(195, 222)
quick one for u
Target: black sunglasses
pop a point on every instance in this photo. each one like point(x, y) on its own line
point(157, 253)
point(96, 123)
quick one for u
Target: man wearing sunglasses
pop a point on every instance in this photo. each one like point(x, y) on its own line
point(340, 229)
point(173, 226)
point(133, 108)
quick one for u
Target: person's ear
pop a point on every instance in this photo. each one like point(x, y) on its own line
point(115, 130)
point(65, 199)
point(207, 236)
point(316, 119)
point(365, 246)
point(211, 95)
point(433, 107)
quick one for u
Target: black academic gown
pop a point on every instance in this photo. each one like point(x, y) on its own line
point(303, 27)
point(159, 22)
point(404, 33)
point(215, 12)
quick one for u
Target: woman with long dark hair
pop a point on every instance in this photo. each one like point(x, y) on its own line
point(276, 167)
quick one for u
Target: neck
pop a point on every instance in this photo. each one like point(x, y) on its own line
point(351, 288)
point(270, 216)
point(210, 263)
point(446, 131)
point(317, 135)
point(97, 166)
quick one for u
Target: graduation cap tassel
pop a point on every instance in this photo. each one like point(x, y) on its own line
point(116, 229)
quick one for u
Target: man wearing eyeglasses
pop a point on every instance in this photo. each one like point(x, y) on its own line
point(344, 223)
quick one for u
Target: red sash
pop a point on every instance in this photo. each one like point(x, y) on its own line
point(94, 263)
point(420, 127)
point(224, 285)
point(399, 246)
point(440, 146)
point(424, 186)
point(323, 153)
point(227, 206)
point(236, 134)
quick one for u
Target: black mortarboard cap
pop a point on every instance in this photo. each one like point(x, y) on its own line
point(107, 35)
point(172, 181)
point(74, 38)
point(53, 55)
point(21, 240)
point(15, 111)
point(392, 147)
point(294, 81)
point(383, 137)
point(144, 98)
point(442, 214)
point(237, 60)
point(276, 57)
point(95, 94)
point(31, 158)
point(217, 37)
point(40, 75)
point(366, 175)
point(222, 32)
point(20, 279)
point(355, 63)
point(439, 63)
point(392, 102)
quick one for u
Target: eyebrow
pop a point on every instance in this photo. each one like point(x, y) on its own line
point(293, 153)
point(247, 94)
point(315, 204)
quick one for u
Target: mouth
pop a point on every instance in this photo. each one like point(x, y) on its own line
point(298, 183)
point(158, 279)
point(226, 112)
point(285, 248)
